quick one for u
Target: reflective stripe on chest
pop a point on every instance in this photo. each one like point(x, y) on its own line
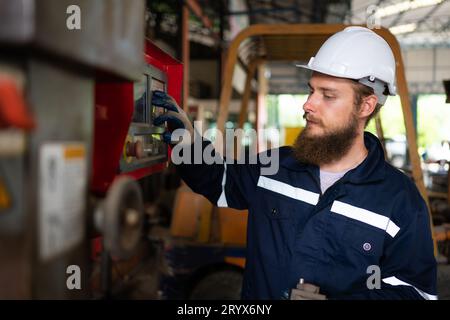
point(350, 211)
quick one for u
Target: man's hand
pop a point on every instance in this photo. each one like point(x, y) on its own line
point(175, 116)
point(306, 291)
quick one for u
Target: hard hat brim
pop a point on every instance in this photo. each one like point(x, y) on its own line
point(392, 88)
point(327, 72)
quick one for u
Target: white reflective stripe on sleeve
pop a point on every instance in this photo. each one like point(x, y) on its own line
point(288, 190)
point(222, 202)
point(393, 281)
point(392, 229)
point(366, 216)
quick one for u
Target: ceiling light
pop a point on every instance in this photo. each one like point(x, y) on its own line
point(405, 6)
point(404, 28)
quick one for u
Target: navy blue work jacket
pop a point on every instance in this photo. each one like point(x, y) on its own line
point(373, 217)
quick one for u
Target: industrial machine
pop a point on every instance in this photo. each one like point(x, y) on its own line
point(129, 155)
point(126, 141)
point(79, 156)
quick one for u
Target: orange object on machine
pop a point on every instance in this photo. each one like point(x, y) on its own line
point(13, 110)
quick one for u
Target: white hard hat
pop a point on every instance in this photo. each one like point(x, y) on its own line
point(358, 53)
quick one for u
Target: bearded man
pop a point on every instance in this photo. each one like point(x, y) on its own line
point(336, 215)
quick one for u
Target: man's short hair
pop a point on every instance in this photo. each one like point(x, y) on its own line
point(361, 91)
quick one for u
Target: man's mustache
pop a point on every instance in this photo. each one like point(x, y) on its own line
point(307, 116)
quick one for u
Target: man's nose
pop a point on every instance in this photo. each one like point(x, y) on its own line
point(310, 105)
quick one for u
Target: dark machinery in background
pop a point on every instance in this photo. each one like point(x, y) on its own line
point(77, 148)
point(128, 160)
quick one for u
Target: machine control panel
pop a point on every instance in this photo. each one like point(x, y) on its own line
point(144, 145)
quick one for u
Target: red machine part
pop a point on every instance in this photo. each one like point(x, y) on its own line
point(113, 113)
point(13, 109)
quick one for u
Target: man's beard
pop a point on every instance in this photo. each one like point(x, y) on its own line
point(328, 147)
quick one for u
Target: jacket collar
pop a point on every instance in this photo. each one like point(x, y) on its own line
point(370, 170)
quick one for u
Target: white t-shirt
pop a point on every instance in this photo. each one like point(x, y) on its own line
point(327, 179)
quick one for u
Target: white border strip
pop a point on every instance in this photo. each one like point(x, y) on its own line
point(393, 281)
point(366, 216)
point(288, 190)
point(222, 202)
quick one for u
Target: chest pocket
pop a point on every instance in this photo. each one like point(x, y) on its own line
point(277, 227)
point(365, 240)
point(363, 230)
point(357, 247)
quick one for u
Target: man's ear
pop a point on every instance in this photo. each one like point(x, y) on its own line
point(368, 106)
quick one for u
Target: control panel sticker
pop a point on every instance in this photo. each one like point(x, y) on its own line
point(62, 196)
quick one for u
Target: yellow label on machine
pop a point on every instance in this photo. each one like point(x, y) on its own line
point(74, 152)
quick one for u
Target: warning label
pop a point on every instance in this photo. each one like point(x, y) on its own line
point(62, 192)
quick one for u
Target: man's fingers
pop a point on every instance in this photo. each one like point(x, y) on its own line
point(175, 117)
point(171, 117)
point(167, 138)
point(305, 295)
point(163, 103)
point(159, 93)
point(163, 100)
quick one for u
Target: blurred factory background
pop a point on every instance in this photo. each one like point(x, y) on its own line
point(90, 206)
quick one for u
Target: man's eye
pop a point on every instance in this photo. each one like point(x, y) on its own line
point(328, 97)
